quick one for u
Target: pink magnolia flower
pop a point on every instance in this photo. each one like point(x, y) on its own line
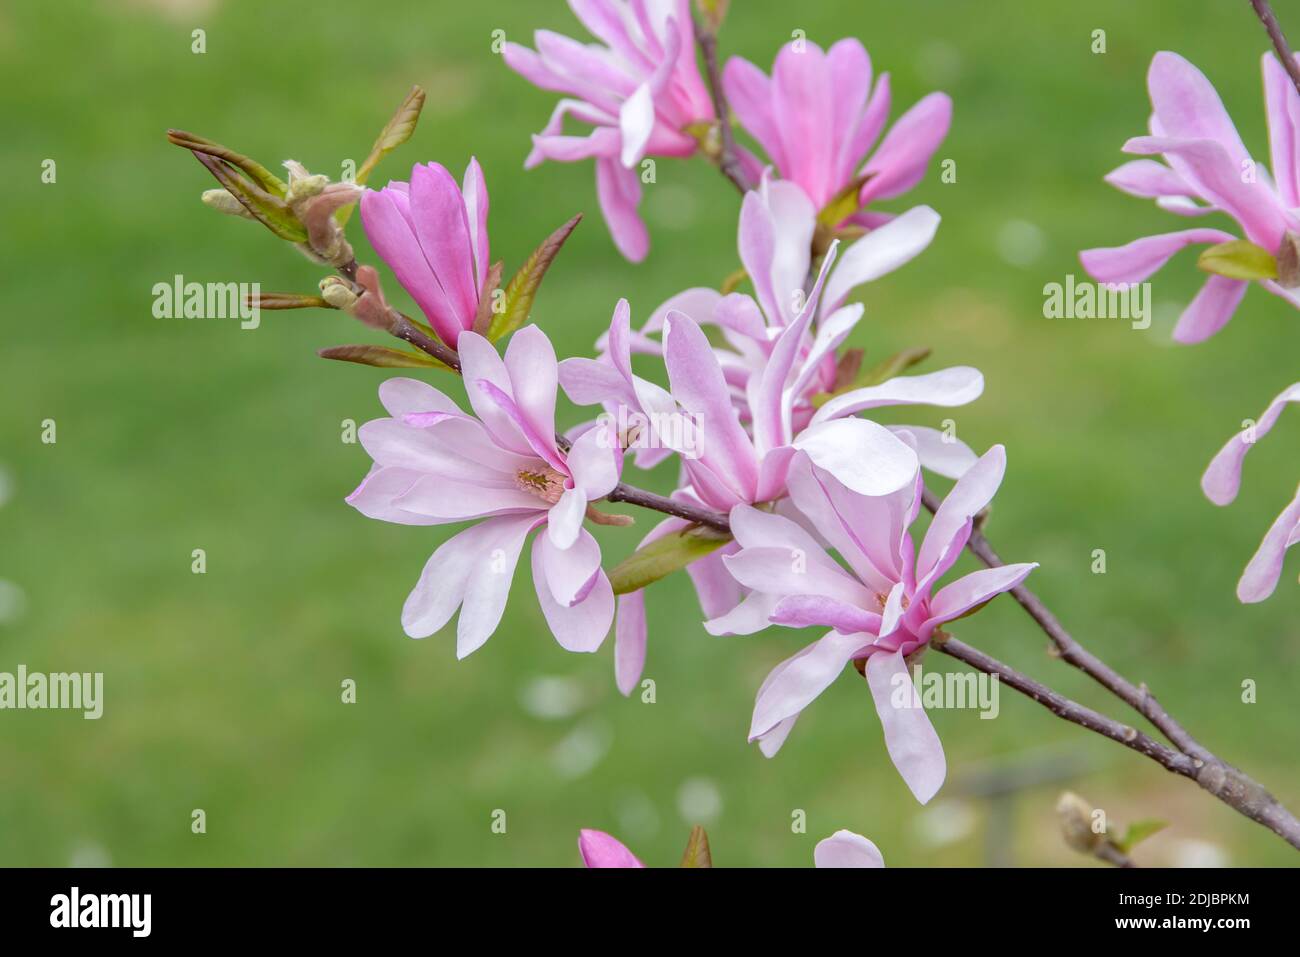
point(434, 465)
point(768, 376)
point(1222, 481)
point(776, 227)
point(723, 465)
point(882, 609)
point(433, 235)
point(1207, 169)
point(841, 849)
point(639, 89)
point(817, 118)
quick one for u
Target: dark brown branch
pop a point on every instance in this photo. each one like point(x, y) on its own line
point(1069, 650)
point(661, 503)
point(1227, 783)
point(1269, 19)
point(728, 159)
point(1071, 711)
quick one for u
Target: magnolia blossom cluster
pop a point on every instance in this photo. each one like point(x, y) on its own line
point(820, 500)
point(1208, 169)
point(817, 116)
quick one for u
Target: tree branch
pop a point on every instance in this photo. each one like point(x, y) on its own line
point(661, 503)
point(728, 160)
point(1063, 707)
point(1269, 19)
point(1227, 783)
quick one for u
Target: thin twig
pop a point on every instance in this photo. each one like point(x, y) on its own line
point(1269, 19)
point(1071, 711)
point(1227, 783)
point(669, 506)
point(728, 159)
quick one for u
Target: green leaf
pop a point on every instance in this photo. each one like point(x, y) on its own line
point(697, 852)
point(881, 372)
point(270, 210)
point(395, 132)
point(664, 556)
point(383, 357)
point(1138, 832)
point(1239, 259)
point(843, 204)
point(251, 168)
point(290, 300)
point(520, 292)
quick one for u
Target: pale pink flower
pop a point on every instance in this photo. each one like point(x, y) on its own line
point(639, 88)
point(772, 366)
point(817, 117)
point(1207, 169)
point(841, 849)
point(725, 465)
point(433, 235)
point(1222, 481)
point(436, 465)
point(882, 608)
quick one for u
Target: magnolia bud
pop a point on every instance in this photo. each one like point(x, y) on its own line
point(338, 293)
point(223, 201)
point(302, 184)
point(1075, 817)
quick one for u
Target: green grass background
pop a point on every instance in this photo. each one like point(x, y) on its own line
point(223, 689)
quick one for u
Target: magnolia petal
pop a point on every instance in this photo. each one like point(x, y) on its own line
point(910, 738)
point(846, 849)
point(583, 626)
point(939, 452)
point(880, 252)
point(564, 520)
point(804, 611)
point(442, 225)
point(570, 572)
point(954, 386)
point(1265, 567)
point(903, 156)
point(797, 681)
point(1283, 106)
point(1140, 259)
point(401, 396)
point(594, 461)
point(629, 641)
point(1222, 479)
point(599, 849)
point(951, 524)
point(471, 570)
point(955, 599)
point(862, 455)
point(1210, 311)
point(619, 192)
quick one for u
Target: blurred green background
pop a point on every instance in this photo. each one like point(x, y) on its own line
point(223, 689)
